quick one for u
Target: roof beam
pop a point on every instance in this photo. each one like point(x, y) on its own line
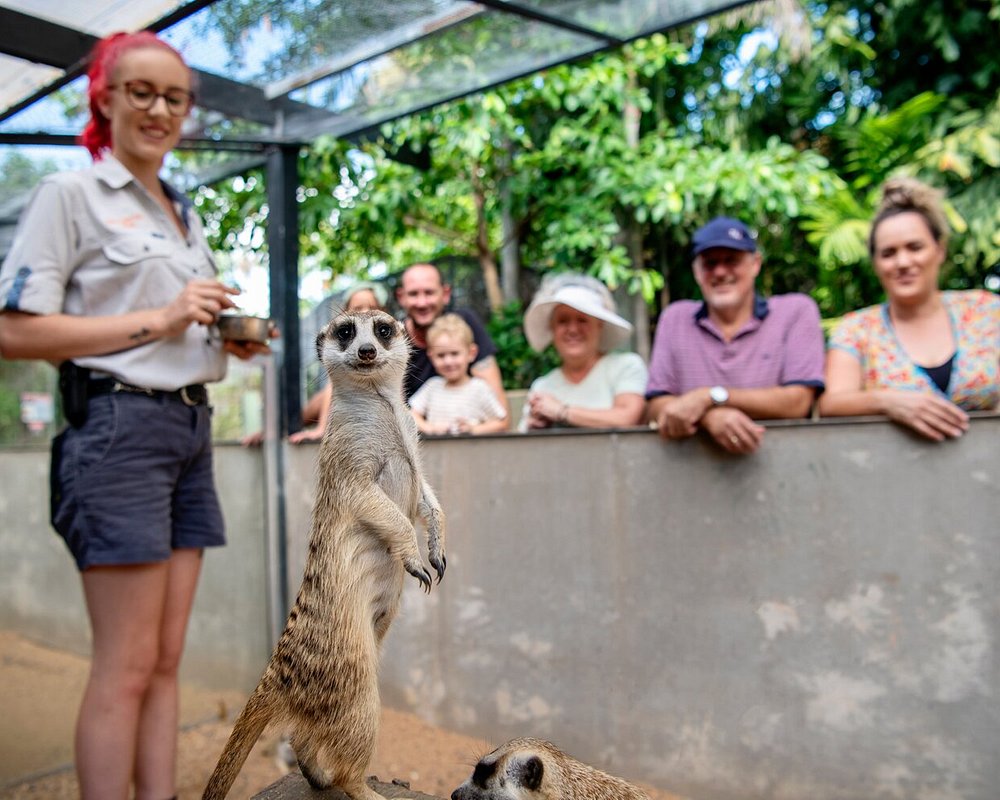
point(42, 42)
point(549, 19)
point(235, 145)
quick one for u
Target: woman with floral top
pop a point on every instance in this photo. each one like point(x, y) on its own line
point(924, 357)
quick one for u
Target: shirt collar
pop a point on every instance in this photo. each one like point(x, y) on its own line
point(112, 172)
point(116, 175)
point(760, 308)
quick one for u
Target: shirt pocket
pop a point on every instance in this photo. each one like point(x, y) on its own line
point(131, 272)
point(128, 251)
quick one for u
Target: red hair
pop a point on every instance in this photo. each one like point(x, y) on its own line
point(96, 136)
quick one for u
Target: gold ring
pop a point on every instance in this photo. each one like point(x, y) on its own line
point(734, 439)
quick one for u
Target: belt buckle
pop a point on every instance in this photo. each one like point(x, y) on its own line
point(118, 386)
point(186, 398)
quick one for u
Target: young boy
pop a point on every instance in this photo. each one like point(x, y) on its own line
point(454, 401)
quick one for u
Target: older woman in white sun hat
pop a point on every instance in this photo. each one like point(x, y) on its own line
point(593, 387)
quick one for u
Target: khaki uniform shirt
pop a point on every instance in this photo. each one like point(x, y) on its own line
point(95, 243)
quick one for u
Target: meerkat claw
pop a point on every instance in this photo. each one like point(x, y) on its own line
point(423, 576)
point(440, 565)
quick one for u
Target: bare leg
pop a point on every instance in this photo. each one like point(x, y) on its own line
point(125, 605)
point(156, 752)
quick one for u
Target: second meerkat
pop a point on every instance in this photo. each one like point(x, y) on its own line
point(534, 769)
point(323, 675)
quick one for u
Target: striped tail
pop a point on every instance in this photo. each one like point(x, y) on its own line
point(249, 725)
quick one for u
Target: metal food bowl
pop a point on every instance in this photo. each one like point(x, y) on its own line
point(241, 328)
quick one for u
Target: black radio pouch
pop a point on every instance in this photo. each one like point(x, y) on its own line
point(73, 381)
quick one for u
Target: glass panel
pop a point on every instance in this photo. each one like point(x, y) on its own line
point(267, 41)
point(360, 62)
point(20, 79)
point(485, 50)
point(626, 20)
point(97, 17)
point(62, 112)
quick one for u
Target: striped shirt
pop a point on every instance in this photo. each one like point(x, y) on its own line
point(473, 401)
point(781, 344)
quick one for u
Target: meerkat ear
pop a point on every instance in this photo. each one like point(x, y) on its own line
point(531, 773)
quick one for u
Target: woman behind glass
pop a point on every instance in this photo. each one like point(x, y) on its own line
point(924, 357)
point(110, 275)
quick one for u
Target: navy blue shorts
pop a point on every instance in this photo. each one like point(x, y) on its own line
point(135, 482)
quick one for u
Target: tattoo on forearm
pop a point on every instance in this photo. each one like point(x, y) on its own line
point(140, 335)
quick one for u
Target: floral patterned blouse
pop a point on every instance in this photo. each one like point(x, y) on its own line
point(868, 335)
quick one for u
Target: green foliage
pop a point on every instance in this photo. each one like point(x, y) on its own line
point(19, 173)
point(519, 364)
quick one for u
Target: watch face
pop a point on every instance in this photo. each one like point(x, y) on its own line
point(718, 394)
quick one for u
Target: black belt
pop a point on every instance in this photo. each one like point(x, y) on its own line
point(194, 395)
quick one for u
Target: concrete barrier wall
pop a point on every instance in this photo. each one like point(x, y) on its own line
point(817, 621)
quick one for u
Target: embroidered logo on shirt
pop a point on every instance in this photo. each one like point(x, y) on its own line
point(131, 221)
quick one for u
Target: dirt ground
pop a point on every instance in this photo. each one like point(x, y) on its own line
point(40, 689)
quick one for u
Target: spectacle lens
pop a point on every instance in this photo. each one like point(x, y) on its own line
point(142, 96)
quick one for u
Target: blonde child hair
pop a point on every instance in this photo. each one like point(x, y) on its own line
point(450, 325)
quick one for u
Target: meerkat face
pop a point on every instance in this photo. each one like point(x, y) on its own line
point(363, 345)
point(511, 772)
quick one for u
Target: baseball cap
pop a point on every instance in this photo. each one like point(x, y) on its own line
point(723, 232)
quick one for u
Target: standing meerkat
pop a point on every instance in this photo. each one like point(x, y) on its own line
point(323, 675)
point(533, 769)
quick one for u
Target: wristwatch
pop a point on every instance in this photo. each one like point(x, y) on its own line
point(719, 395)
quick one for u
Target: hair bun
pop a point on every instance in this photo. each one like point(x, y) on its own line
point(909, 193)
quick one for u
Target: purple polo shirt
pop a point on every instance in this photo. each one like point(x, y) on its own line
point(781, 344)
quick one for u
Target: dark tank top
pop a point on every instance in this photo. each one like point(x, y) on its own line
point(941, 374)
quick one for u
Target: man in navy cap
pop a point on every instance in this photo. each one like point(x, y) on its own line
point(736, 356)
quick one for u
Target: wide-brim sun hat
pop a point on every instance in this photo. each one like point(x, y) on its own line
point(585, 299)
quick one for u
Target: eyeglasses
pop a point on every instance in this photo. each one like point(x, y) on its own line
point(142, 96)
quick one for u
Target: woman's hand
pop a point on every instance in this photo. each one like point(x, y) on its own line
point(245, 350)
point(200, 301)
point(545, 409)
point(928, 414)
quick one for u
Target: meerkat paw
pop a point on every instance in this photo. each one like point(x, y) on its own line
point(419, 571)
point(440, 563)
